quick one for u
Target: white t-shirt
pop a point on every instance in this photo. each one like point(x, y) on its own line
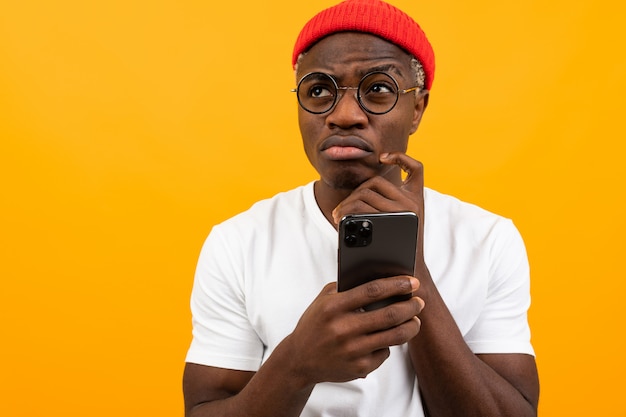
point(260, 270)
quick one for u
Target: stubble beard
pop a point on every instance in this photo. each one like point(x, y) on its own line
point(346, 180)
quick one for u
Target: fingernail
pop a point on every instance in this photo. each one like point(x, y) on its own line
point(415, 284)
point(384, 155)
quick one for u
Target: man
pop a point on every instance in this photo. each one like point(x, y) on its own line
point(273, 337)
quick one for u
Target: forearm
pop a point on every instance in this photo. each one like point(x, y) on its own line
point(453, 380)
point(274, 390)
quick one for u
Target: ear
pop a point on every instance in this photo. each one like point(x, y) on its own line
point(421, 102)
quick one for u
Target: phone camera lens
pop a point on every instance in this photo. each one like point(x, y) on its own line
point(350, 240)
point(351, 226)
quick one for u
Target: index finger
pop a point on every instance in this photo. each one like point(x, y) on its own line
point(414, 169)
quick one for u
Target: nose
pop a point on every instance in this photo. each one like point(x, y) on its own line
point(347, 112)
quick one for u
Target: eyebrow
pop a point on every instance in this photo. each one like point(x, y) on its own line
point(382, 68)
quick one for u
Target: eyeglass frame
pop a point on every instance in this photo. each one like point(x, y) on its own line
point(358, 92)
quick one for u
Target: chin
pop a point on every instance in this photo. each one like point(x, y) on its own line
point(346, 180)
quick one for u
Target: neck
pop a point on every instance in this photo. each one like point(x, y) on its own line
point(328, 198)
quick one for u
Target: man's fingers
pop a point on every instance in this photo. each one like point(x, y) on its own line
point(414, 180)
point(375, 195)
point(380, 289)
point(378, 194)
point(354, 206)
point(390, 325)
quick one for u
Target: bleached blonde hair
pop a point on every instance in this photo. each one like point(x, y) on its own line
point(416, 66)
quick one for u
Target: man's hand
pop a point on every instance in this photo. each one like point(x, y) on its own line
point(381, 195)
point(335, 341)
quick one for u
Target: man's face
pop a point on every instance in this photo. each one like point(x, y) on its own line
point(344, 144)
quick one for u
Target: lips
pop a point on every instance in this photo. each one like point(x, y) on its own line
point(345, 148)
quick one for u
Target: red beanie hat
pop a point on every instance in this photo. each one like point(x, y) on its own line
point(370, 16)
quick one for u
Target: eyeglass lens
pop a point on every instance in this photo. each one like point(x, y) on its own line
point(377, 92)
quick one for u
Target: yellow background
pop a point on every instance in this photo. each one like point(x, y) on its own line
point(129, 128)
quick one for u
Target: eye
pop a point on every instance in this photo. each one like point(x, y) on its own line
point(378, 85)
point(380, 88)
point(319, 91)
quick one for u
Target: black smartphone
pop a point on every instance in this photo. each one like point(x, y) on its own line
point(375, 246)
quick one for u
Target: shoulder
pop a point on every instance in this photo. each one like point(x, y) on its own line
point(464, 227)
point(446, 211)
point(234, 242)
point(478, 261)
point(454, 208)
point(284, 205)
point(263, 220)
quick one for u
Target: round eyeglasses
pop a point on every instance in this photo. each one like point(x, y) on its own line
point(377, 92)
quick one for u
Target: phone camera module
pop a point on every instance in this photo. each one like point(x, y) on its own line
point(358, 233)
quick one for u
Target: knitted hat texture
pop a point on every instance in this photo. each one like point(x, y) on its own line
point(370, 16)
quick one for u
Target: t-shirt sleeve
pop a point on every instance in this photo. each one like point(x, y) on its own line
point(222, 333)
point(502, 326)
